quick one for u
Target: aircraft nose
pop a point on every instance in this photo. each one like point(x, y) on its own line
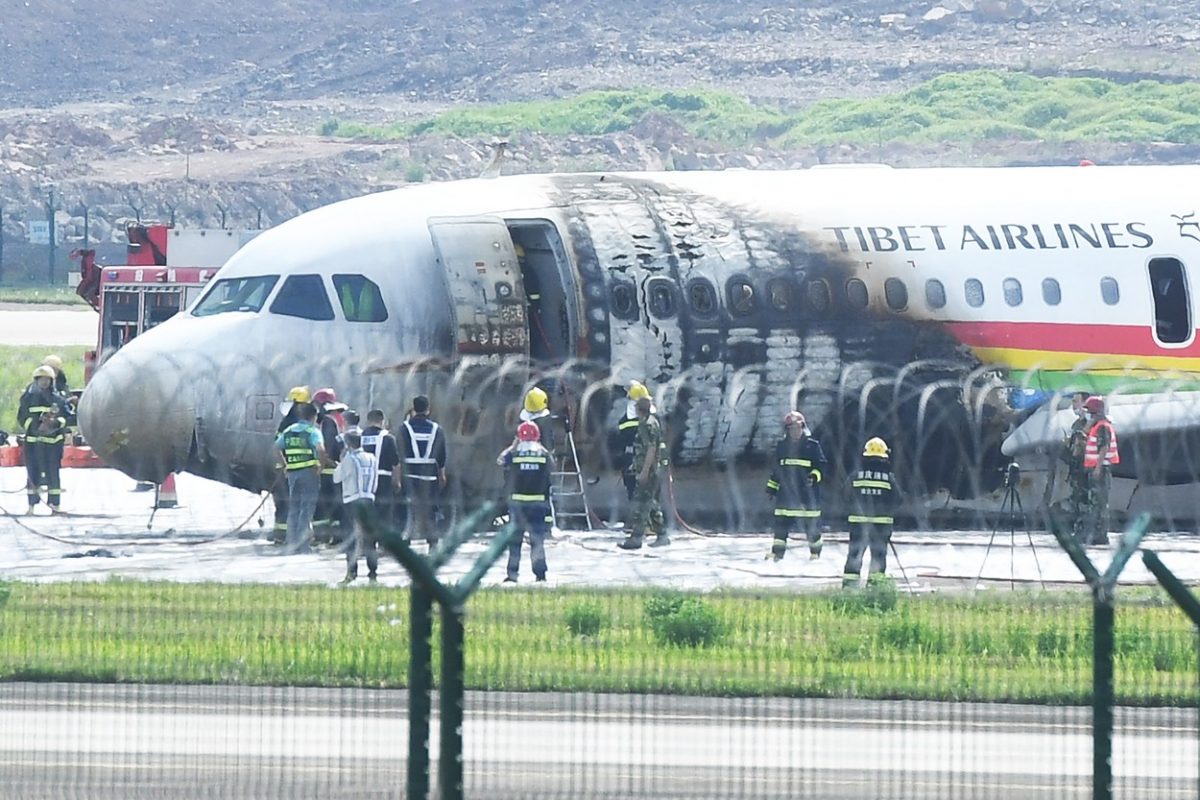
point(137, 412)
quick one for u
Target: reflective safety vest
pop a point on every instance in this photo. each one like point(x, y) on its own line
point(531, 476)
point(54, 436)
point(298, 450)
point(1091, 451)
point(422, 463)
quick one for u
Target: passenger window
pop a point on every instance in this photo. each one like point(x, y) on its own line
point(779, 292)
point(1012, 292)
point(360, 298)
point(662, 298)
point(818, 296)
point(702, 298)
point(1172, 305)
point(1110, 291)
point(236, 294)
point(303, 296)
point(856, 293)
point(1051, 292)
point(741, 296)
point(935, 293)
point(895, 291)
point(973, 289)
point(624, 301)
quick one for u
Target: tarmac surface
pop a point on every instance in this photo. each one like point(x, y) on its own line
point(219, 534)
point(50, 325)
point(216, 741)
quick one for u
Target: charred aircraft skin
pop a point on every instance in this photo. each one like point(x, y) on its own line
point(733, 316)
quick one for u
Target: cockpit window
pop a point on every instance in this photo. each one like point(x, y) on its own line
point(236, 294)
point(360, 298)
point(303, 296)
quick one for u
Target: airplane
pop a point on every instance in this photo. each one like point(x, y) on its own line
point(949, 310)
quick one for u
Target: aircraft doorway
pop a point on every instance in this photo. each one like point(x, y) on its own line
point(1172, 306)
point(544, 270)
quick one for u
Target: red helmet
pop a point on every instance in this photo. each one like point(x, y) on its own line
point(323, 396)
point(528, 432)
point(1094, 405)
point(793, 418)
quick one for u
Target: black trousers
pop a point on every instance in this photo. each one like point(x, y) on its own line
point(327, 521)
point(422, 498)
point(875, 535)
point(42, 463)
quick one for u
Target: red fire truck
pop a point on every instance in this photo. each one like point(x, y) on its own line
point(166, 270)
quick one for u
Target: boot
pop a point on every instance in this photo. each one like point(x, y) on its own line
point(634, 542)
point(661, 540)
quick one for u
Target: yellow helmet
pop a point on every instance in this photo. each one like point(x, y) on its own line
point(299, 394)
point(54, 362)
point(637, 391)
point(44, 372)
point(536, 400)
point(876, 447)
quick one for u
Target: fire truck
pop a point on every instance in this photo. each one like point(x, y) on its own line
point(166, 269)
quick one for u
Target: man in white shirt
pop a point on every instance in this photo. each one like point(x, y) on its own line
point(358, 473)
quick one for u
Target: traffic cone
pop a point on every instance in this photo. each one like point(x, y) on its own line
point(166, 497)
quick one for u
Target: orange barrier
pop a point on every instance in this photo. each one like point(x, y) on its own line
point(11, 457)
point(74, 457)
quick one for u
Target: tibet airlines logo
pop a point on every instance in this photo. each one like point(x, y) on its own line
point(1189, 226)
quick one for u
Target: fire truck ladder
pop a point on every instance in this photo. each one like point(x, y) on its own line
point(568, 500)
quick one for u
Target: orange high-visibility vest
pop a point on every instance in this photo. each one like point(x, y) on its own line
point(1091, 452)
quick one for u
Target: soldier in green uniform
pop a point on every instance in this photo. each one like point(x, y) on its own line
point(1077, 476)
point(649, 457)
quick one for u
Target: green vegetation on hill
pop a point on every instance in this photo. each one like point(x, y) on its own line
point(1014, 647)
point(960, 107)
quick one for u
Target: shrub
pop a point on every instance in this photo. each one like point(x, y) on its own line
point(881, 593)
point(683, 621)
point(330, 127)
point(585, 618)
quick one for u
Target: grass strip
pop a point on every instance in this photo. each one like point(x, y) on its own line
point(41, 295)
point(17, 363)
point(1019, 648)
point(957, 107)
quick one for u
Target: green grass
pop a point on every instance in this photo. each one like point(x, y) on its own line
point(17, 363)
point(960, 107)
point(58, 295)
point(1023, 648)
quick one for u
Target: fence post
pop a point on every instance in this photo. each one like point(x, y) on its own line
point(50, 213)
point(1103, 620)
point(1, 241)
point(1190, 605)
point(420, 688)
point(425, 589)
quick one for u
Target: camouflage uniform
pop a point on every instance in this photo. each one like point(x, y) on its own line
point(1097, 518)
point(647, 511)
point(1077, 476)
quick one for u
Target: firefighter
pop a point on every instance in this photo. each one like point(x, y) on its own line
point(1099, 454)
point(327, 522)
point(423, 459)
point(528, 467)
point(1077, 477)
point(297, 396)
point(38, 399)
point(622, 440)
point(44, 458)
point(379, 442)
point(649, 459)
point(302, 455)
point(873, 495)
point(537, 410)
point(55, 363)
point(795, 486)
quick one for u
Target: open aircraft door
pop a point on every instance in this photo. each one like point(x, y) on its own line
point(485, 285)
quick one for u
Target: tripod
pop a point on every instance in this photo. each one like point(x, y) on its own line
point(1011, 505)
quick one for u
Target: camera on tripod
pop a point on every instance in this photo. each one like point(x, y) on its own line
point(1012, 474)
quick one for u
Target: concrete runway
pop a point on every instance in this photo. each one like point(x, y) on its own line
point(68, 740)
point(51, 325)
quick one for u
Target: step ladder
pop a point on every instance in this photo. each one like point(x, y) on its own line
point(568, 500)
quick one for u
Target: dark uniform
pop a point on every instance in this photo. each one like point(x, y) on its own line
point(874, 498)
point(327, 522)
point(528, 470)
point(647, 510)
point(1077, 477)
point(423, 454)
point(42, 450)
point(621, 444)
point(795, 485)
point(380, 443)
